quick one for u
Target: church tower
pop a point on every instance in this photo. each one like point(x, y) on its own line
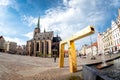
point(37, 29)
point(118, 12)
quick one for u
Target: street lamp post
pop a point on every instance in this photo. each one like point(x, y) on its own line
point(93, 57)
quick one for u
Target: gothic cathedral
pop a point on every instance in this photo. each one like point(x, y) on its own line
point(43, 44)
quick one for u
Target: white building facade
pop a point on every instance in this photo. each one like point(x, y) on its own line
point(116, 32)
point(10, 47)
point(83, 49)
point(100, 44)
point(92, 50)
point(109, 41)
point(115, 35)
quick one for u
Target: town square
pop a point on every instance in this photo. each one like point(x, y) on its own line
point(59, 40)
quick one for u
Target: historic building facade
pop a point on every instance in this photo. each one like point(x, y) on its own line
point(43, 43)
point(10, 47)
point(100, 43)
point(83, 49)
point(110, 39)
point(116, 32)
point(92, 49)
point(2, 41)
point(107, 40)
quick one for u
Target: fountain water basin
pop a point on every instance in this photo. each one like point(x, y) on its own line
point(100, 71)
point(104, 65)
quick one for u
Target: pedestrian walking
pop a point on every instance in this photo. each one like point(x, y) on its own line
point(54, 58)
point(79, 55)
point(110, 53)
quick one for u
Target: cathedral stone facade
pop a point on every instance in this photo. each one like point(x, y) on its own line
point(43, 44)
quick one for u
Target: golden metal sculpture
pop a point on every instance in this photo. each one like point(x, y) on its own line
point(71, 48)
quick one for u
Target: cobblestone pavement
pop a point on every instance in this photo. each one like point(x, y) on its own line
point(17, 67)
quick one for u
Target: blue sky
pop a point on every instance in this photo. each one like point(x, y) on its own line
point(18, 18)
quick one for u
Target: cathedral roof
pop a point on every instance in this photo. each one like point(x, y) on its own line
point(56, 39)
point(44, 36)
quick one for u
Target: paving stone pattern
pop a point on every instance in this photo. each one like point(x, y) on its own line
point(17, 67)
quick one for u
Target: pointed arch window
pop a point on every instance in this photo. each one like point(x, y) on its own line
point(47, 47)
point(37, 47)
point(42, 47)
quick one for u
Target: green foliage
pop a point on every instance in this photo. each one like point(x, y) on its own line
point(39, 54)
point(49, 55)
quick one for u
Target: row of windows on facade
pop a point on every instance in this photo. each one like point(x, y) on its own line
point(38, 47)
point(116, 31)
point(118, 21)
point(116, 35)
point(110, 43)
point(106, 34)
point(117, 41)
point(107, 39)
point(42, 45)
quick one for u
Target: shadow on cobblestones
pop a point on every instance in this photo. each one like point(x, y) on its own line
point(57, 74)
point(74, 78)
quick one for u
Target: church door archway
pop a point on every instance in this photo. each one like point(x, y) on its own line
point(47, 47)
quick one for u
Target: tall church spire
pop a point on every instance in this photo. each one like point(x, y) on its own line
point(37, 29)
point(44, 30)
point(38, 24)
point(56, 34)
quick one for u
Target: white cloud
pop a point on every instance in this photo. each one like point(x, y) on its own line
point(115, 3)
point(29, 20)
point(5, 15)
point(5, 30)
point(9, 3)
point(17, 40)
point(10, 32)
point(76, 15)
point(29, 35)
point(4, 2)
